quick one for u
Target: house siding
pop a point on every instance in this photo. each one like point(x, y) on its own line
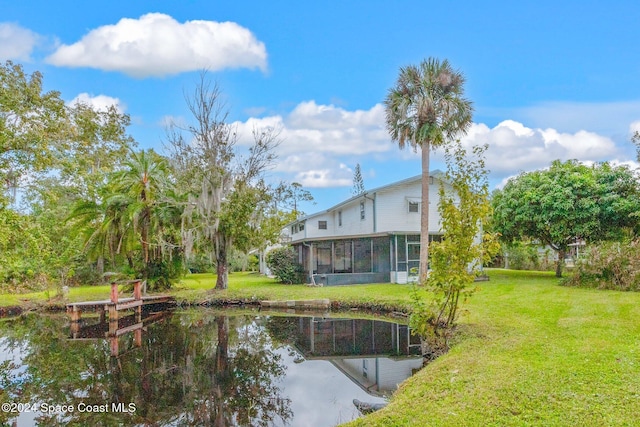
point(337, 256)
point(351, 222)
point(393, 208)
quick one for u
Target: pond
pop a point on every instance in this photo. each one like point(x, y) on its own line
point(200, 367)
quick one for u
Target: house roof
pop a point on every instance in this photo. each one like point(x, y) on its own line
point(438, 174)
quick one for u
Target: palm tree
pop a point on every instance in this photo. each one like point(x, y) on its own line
point(104, 227)
point(142, 179)
point(426, 108)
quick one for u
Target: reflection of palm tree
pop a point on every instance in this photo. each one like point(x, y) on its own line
point(426, 109)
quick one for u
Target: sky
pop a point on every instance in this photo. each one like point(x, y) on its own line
point(548, 80)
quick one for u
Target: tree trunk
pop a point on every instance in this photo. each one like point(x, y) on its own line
point(560, 262)
point(144, 234)
point(424, 215)
point(100, 265)
point(222, 263)
point(222, 373)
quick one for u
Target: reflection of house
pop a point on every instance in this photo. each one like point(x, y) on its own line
point(378, 376)
point(352, 346)
point(321, 337)
point(370, 238)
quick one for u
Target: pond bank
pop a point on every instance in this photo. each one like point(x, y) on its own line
point(310, 305)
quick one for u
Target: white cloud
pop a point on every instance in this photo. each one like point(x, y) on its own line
point(319, 178)
point(327, 129)
point(158, 45)
point(315, 170)
point(316, 139)
point(16, 42)
point(514, 147)
point(631, 164)
point(99, 102)
point(634, 127)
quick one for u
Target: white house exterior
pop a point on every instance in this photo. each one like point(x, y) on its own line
point(370, 238)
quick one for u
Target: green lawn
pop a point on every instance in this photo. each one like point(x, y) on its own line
point(196, 288)
point(529, 352)
point(250, 286)
point(533, 353)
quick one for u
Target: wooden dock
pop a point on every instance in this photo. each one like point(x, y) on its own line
point(115, 304)
point(113, 331)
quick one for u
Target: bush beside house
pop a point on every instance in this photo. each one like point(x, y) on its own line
point(283, 263)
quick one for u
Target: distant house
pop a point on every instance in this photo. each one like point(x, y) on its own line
point(370, 238)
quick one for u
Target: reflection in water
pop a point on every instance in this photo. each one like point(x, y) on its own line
point(114, 329)
point(352, 346)
point(201, 368)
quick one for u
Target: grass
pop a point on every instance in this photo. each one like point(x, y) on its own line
point(81, 293)
point(197, 288)
point(532, 353)
point(529, 352)
point(248, 286)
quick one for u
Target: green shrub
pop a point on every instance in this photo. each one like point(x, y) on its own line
point(238, 260)
point(201, 264)
point(253, 263)
point(609, 265)
point(522, 256)
point(283, 263)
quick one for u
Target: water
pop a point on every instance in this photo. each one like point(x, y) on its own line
point(199, 367)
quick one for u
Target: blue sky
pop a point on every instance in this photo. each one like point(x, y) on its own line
point(549, 80)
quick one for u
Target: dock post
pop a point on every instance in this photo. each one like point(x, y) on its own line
point(114, 292)
point(137, 294)
point(113, 327)
point(75, 313)
point(115, 347)
point(137, 337)
point(74, 328)
point(113, 313)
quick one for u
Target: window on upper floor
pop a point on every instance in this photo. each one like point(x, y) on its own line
point(362, 211)
point(414, 207)
point(339, 218)
point(322, 225)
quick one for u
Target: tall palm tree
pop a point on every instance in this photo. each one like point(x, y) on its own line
point(427, 108)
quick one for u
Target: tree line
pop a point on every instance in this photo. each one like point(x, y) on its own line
point(80, 201)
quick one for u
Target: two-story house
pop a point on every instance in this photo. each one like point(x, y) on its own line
point(370, 238)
